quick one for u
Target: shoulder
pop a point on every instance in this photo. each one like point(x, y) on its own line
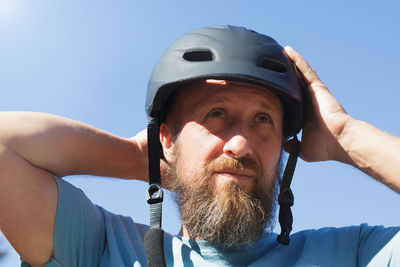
point(357, 234)
point(331, 246)
point(96, 236)
point(363, 243)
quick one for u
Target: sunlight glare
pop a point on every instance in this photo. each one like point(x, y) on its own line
point(7, 9)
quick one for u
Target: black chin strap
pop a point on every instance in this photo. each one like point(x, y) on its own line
point(285, 198)
point(154, 237)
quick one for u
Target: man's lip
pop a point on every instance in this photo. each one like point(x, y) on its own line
point(245, 173)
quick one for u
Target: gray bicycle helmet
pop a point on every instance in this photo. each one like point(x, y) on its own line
point(229, 53)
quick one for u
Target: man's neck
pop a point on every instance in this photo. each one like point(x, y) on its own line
point(183, 232)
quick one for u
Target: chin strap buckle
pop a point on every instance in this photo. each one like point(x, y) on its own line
point(285, 201)
point(154, 194)
point(285, 198)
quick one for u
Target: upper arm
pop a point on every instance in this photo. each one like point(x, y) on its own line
point(28, 204)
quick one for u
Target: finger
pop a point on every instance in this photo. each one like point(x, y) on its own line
point(308, 72)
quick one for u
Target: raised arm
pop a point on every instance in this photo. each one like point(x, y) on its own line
point(331, 134)
point(36, 146)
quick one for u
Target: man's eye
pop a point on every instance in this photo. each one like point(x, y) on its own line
point(216, 113)
point(263, 118)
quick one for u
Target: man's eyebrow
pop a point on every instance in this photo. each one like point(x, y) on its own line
point(206, 101)
point(266, 105)
point(220, 100)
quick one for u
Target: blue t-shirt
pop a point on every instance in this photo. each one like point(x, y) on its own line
point(88, 235)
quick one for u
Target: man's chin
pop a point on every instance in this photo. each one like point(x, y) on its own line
point(223, 180)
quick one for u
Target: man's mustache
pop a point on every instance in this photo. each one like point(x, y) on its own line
point(233, 163)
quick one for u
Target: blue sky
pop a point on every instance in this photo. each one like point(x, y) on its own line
point(90, 61)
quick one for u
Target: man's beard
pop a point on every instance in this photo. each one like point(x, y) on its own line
point(227, 215)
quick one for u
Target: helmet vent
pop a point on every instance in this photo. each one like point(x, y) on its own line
point(272, 64)
point(198, 55)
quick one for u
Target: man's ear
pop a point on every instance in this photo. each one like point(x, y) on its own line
point(167, 142)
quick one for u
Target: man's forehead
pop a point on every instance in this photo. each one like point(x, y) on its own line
point(201, 91)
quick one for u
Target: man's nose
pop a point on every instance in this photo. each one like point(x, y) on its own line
point(237, 146)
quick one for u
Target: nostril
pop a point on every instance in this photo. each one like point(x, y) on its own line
point(229, 153)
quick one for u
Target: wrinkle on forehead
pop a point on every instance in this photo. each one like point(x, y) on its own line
point(206, 93)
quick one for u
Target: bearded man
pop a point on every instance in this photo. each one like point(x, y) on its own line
point(223, 113)
point(227, 180)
